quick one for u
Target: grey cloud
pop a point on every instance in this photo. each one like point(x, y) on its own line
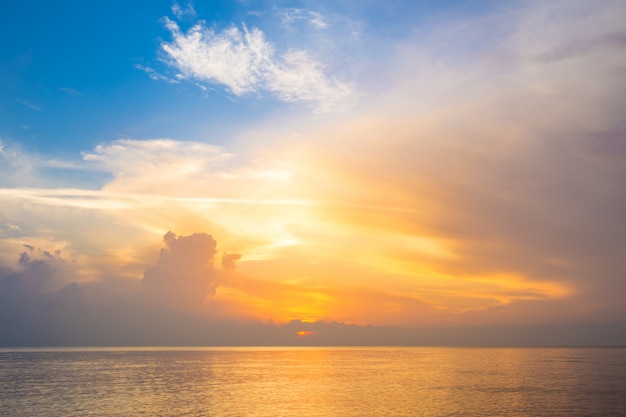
point(35, 304)
point(545, 215)
point(607, 148)
point(579, 47)
point(43, 303)
point(229, 261)
point(184, 275)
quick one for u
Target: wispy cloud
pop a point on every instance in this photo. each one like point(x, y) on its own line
point(317, 20)
point(578, 47)
point(244, 62)
point(134, 163)
point(71, 91)
point(29, 104)
point(16, 167)
point(293, 15)
point(154, 75)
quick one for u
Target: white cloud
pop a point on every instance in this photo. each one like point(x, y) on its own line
point(245, 62)
point(179, 12)
point(28, 104)
point(299, 78)
point(292, 15)
point(154, 75)
point(158, 165)
point(317, 20)
point(71, 91)
point(126, 157)
point(16, 168)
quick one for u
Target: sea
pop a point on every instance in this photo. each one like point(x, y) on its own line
point(315, 381)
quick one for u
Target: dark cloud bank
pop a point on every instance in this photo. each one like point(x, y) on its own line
point(40, 306)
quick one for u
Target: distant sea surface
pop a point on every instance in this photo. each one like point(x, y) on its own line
point(320, 382)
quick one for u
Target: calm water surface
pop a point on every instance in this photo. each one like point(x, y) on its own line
point(302, 382)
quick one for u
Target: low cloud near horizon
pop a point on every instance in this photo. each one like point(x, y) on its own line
point(175, 304)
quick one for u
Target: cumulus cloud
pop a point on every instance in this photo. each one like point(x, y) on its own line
point(245, 62)
point(38, 299)
point(43, 300)
point(184, 275)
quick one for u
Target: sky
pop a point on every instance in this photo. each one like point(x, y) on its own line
point(313, 172)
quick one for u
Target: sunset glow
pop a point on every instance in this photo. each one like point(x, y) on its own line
point(426, 164)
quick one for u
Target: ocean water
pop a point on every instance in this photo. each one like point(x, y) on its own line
point(300, 382)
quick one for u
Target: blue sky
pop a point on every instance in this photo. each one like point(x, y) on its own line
point(410, 163)
point(71, 79)
point(70, 76)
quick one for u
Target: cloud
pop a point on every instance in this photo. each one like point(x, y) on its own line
point(18, 168)
point(154, 75)
point(129, 157)
point(175, 305)
point(29, 104)
point(38, 298)
point(184, 275)
point(575, 48)
point(150, 187)
point(292, 15)
point(244, 62)
point(229, 260)
point(71, 91)
point(180, 12)
point(160, 166)
point(485, 162)
point(551, 32)
point(607, 147)
point(44, 302)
